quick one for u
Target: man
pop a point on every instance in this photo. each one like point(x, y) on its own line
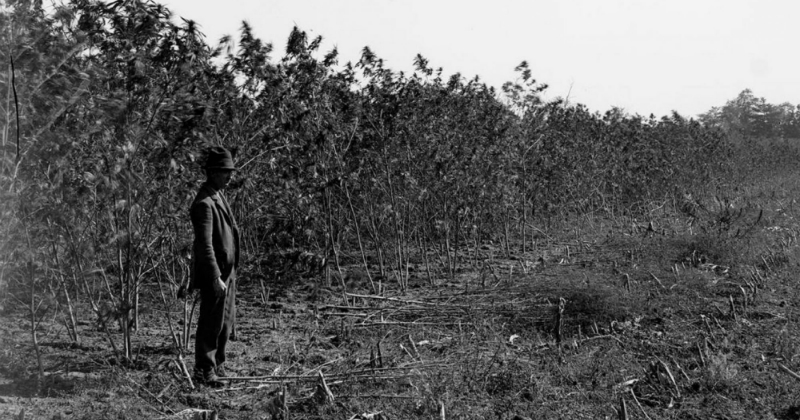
point(216, 257)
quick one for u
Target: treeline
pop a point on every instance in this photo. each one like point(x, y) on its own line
point(107, 108)
point(751, 116)
point(763, 137)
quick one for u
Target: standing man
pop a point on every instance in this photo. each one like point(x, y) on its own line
point(216, 257)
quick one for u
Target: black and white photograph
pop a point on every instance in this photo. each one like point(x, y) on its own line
point(399, 209)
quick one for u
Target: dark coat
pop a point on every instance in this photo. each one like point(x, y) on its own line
point(216, 239)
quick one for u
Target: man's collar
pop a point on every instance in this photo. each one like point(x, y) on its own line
point(213, 193)
point(209, 186)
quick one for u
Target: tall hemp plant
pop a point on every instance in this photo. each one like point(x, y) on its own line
point(123, 153)
point(39, 85)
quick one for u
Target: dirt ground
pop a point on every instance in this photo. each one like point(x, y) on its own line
point(670, 320)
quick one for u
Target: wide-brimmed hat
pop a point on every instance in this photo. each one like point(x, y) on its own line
point(219, 158)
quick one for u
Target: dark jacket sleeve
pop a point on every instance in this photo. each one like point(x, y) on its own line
point(206, 268)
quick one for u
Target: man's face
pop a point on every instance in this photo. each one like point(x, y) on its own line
point(219, 178)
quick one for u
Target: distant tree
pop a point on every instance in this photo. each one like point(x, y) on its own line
point(751, 116)
point(788, 120)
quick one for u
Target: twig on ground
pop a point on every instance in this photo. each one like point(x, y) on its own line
point(789, 371)
point(323, 394)
point(346, 308)
point(164, 391)
point(356, 373)
point(243, 388)
point(744, 301)
point(707, 324)
point(411, 356)
point(623, 409)
point(674, 360)
point(670, 376)
point(185, 371)
point(718, 324)
point(355, 315)
point(405, 324)
point(597, 337)
point(153, 396)
point(391, 299)
point(368, 416)
point(339, 381)
point(700, 352)
point(639, 404)
point(656, 279)
point(414, 347)
point(318, 368)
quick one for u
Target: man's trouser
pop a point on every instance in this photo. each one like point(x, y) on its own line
point(217, 315)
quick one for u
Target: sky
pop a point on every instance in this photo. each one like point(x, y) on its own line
point(645, 56)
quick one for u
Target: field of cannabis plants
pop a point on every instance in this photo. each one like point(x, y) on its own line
point(413, 246)
point(685, 311)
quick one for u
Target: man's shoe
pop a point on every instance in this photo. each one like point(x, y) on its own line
point(221, 372)
point(209, 379)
